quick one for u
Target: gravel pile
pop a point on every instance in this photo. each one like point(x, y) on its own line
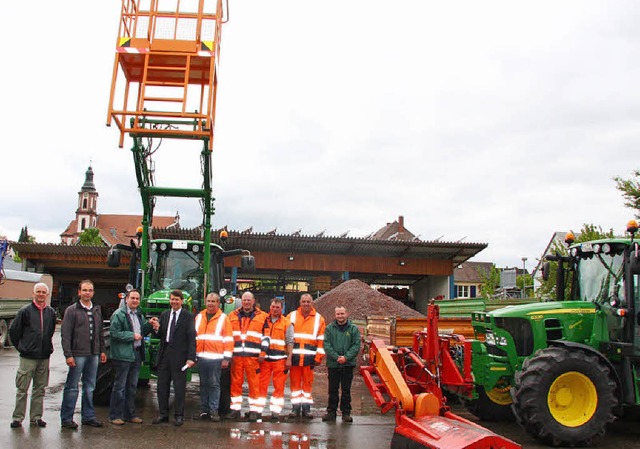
point(361, 301)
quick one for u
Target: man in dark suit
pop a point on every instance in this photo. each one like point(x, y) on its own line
point(177, 352)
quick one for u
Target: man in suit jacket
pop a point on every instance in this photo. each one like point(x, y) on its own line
point(177, 352)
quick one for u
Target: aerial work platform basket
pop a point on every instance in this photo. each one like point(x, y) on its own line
point(165, 71)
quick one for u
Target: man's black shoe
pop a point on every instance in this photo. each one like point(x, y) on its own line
point(214, 416)
point(39, 423)
point(15, 424)
point(329, 417)
point(160, 420)
point(92, 423)
point(233, 415)
point(179, 421)
point(252, 417)
point(346, 417)
point(69, 425)
point(204, 416)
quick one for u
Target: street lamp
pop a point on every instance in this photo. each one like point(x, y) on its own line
point(524, 278)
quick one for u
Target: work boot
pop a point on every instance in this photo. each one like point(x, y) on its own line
point(275, 417)
point(215, 417)
point(329, 417)
point(233, 415)
point(252, 417)
point(306, 412)
point(346, 417)
point(295, 413)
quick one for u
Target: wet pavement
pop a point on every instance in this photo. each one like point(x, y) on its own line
point(370, 429)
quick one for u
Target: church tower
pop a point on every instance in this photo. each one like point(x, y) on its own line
point(87, 212)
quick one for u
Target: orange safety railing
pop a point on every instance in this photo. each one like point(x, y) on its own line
point(165, 70)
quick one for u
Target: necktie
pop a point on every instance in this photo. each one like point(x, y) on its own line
point(172, 328)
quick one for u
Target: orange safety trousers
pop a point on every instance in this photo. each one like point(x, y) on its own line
point(239, 367)
point(267, 370)
point(301, 383)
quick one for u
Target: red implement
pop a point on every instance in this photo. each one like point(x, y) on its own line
point(411, 381)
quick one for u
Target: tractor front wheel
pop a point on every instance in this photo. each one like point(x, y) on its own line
point(564, 397)
point(492, 405)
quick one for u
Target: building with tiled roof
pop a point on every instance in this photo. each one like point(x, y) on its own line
point(469, 277)
point(113, 228)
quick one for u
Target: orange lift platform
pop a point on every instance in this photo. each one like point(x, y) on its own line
point(165, 71)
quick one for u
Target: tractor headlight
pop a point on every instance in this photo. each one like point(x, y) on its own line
point(490, 339)
point(606, 248)
point(501, 341)
point(597, 248)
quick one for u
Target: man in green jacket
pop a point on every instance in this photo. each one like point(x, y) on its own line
point(341, 345)
point(127, 331)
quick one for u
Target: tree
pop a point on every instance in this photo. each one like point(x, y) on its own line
point(588, 232)
point(23, 238)
point(490, 282)
point(90, 237)
point(630, 189)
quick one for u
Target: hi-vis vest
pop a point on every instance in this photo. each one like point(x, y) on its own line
point(248, 337)
point(276, 338)
point(308, 338)
point(214, 340)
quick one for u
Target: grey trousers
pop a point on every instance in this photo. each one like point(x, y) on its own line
point(38, 371)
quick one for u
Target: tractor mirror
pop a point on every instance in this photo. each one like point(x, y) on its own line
point(248, 264)
point(545, 271)
point(113, 258)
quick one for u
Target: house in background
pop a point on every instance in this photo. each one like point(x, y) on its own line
point(113, 228)
point(468, 278)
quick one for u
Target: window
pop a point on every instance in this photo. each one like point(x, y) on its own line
point(462, 291)
point(83, 224)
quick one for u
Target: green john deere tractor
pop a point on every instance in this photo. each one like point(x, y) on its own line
point(567, 368)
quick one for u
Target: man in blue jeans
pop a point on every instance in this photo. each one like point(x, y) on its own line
point(128, 327)
point(83, 347)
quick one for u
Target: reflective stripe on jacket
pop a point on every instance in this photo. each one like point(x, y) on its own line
point(214, 338)
point(248, 336)
point(308, 338)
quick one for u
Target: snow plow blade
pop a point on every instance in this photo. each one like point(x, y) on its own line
point(446, 432)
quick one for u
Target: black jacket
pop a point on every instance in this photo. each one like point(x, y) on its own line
point(75, 331)
point(184, 340)
point(32, 335)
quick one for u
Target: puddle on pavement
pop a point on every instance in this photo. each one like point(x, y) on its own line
point(275, 439)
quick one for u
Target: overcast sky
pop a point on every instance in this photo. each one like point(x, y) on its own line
point(492, 122)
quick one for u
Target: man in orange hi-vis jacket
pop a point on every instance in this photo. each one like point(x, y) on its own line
point(277, 362)
point(249, 350)
point(214, 348)
point(308, 351)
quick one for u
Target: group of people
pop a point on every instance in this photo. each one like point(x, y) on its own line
point(257, 346)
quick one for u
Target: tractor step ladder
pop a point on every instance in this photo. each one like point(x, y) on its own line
point(165, 70)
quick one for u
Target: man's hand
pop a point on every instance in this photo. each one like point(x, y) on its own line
point(190, 363)
point(103, 358)
point(342, 360)
point(155, 323)
point(137, 337)
point(225, 364)
point(71, 362)
point(287, 364)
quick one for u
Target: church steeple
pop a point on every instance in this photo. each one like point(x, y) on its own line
point(88, 185)
point(87, 212)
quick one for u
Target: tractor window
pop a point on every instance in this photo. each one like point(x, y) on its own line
point(600, 277)
point(175, 269)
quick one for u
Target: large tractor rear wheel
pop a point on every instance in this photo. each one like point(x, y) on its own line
point(104, 378)
point(494, 405)
point(564, 397)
